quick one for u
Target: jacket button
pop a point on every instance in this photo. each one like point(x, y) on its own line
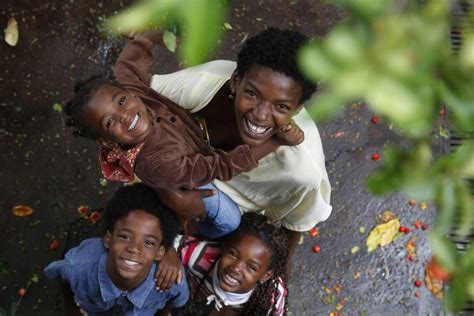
point(173, 119)
point(158, 119)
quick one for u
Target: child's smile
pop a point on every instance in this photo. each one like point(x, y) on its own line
point(118, 116)
point(243, 264)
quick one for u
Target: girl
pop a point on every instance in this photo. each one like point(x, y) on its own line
point(246, 275)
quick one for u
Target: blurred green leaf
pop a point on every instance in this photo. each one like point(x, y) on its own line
point(465, 218)
point(169, 39)
point(456, 296)
point(444, 251)
point(57, 107)
point(447, 202)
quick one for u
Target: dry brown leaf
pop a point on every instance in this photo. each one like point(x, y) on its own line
point(11, 32)
point(22, 210)
point(385, 217)
point(434, 285)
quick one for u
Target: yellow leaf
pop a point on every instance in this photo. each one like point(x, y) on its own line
point(382, 234)
point(11, 32)
point(22, 210)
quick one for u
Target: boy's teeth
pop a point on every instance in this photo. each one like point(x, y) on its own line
point(255, 128)
point(130, 263)
point(134, 123)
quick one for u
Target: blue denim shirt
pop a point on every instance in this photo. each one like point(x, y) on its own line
point(84, 269)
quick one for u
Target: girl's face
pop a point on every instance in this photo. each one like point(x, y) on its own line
point(243, 263)
point(265, 101)
point(117, 116)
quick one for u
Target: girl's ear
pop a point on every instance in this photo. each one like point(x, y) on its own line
point(266, 276)
point(160, 253)
point(106, 240)
point(106, 143)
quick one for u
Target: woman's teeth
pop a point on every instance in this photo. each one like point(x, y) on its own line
point(134, 122)
point(255, 128)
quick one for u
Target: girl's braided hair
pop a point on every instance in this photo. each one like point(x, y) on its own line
point(276, 240)
point(83, 92)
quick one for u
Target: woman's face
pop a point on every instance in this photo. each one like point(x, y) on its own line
point(265, 101)
point(243, 263)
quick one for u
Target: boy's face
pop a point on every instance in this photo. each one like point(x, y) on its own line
point(243, 263)
point(265, 101)
point(117, 116)
point(133, 246)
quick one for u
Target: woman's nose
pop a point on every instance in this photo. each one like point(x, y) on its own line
point(262, 110)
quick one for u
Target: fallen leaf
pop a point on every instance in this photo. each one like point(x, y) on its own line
point(301, 241)
point(94, 217)
point(423, 205)
point(382, 234)
point(385, 217)
point(227, 26)
point(432, 283)
point(11, 32)
point(355, 249)
point(57, 107)
point(22, 210)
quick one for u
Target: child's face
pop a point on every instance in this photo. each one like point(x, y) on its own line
point(265, 101)
point(244, 263)
point(117, 116)
point(133, 246)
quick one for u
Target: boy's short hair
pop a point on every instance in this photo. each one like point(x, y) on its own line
point(278, 50)
point(141, 197)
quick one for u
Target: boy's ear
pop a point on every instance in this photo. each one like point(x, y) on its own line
point(160, 253)
point(106, 143)
point(266, 276)
point(106, 240)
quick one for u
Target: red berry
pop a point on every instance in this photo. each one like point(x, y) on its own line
point(403, 229)
point(375, 156)
point(417, 224)
point(374, 119)
point(410, 258)
point(316, 249)
point(22, 292)
point(313, 232)
point(54, 245)
point(425, 226)
point(407, 230)
point(417, 294)
point(418, 283)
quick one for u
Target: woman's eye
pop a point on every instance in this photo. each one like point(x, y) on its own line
point(122, 236)
point(251, 94)
point(122, 100)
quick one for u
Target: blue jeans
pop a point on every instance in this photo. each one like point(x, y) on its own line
point(222, 214)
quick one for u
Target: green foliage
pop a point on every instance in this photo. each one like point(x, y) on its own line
point(395, 56)
point(199, 21)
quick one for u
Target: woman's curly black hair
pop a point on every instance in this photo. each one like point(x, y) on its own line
point(83, 92)
point(276, 49)
point(141, 197)
point(276, 240)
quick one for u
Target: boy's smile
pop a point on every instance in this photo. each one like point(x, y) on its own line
point(116, 115)
point(265, 102)
point(134, 245)
point(243, 264)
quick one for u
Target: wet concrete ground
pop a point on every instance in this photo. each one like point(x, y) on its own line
point(45, 167)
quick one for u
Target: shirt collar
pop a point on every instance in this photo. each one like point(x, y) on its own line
point(109, 291)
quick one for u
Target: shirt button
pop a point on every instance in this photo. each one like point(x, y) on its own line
point(173, 119)
point(158, 119)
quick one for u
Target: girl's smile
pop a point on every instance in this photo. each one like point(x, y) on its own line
point(118, 116)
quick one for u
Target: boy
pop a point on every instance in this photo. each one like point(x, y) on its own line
point(115, 275)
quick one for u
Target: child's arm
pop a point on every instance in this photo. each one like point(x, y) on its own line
point(169, 271)
point(186, 203)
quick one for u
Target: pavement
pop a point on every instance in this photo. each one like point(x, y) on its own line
point(46, 168)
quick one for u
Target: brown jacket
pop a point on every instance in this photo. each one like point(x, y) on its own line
point(175, 153)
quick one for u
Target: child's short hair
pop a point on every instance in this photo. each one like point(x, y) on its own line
point(276, 240)
point(278, 50)
point(141, 197)
point(83, 92)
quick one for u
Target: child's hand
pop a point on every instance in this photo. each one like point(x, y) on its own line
point(290, 135)
point(169, 271)
point(187, 203)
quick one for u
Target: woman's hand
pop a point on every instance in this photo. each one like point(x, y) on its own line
point(186, 203)
point(290, 135)
point(169, 271)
